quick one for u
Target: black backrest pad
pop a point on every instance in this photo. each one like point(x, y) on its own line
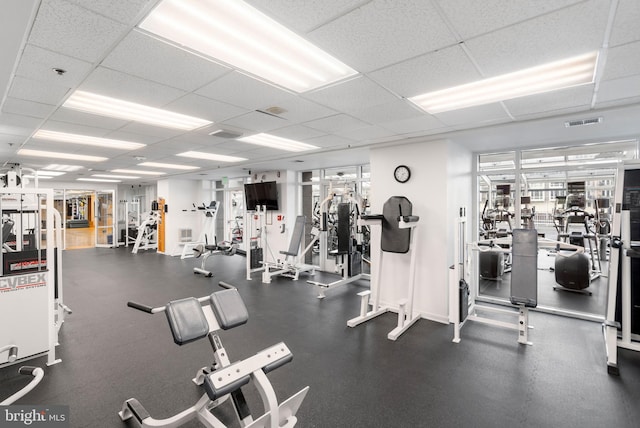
point(394, 239)
point(524, 267)
point(229, 308)
point(186, 320)
point(296, 237)
point(344, 229)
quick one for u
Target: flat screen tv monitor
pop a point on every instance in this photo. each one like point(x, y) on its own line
point(261, 194)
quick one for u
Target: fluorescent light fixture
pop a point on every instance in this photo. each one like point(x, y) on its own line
point(135, 171)
point(40, 177)
point(42, 173)
point(124, 177)
point(114, 107)
point(277, 142)
point(238, 34)
point(562, 74)
point(58, 155)
point(65, 168)
point(99, 180)
point(168, 165)
point(211, 156)
point(63, 137)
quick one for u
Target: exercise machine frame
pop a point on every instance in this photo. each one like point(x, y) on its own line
point(221, 310)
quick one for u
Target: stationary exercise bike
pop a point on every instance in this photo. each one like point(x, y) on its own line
point(192, 319)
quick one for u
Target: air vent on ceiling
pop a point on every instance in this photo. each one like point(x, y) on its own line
point(273, 111)
point(583, 122)
point(222, 133)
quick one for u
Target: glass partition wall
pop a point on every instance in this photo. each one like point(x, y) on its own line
point(565, 193)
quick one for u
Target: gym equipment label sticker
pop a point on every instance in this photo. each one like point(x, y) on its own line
point(21, 282)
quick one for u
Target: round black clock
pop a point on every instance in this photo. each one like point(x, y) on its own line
point(402, 174)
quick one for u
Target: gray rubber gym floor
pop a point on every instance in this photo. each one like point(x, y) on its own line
point(358, 378)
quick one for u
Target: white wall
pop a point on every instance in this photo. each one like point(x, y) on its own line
point(180, 195)
point(440, 182)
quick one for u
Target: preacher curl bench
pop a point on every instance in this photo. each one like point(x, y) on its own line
point(193, 318)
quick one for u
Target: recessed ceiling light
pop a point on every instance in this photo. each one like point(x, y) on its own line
point(135, 171)
point(211, 156)
point(99, 180)
point(240, 35)
point(562, 74)
point(277, 142)
point(64, 137)
point(168, 165)
point(58, 155)
point(66, 168)
point(113, 107)
point(124, 177)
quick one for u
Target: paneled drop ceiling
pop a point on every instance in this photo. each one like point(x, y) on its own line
point(400, 48)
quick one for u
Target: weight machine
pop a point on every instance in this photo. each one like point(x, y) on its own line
point(292, 265)
point(192, 319)
point(147, 236)
point(398, 236)
point(342, 238)
point(621, 328)
point(31, 301)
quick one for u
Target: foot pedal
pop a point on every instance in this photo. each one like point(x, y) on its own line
point(137, 410)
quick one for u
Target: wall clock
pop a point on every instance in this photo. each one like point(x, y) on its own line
point(402, 173)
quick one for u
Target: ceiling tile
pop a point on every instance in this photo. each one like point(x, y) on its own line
point(64, 27)
point(115, 84)
point(625, 24)
point(622, 61)
point(471, 18)
point(303, 16)
point(430, 72)
point(394, 110)
point(123, 11)
point(255, 121)
point(155, 131)
point(489, 113)
point(618, 89)
point(27, 108)
point(571, 31)
point(297, 132)
point(243, 91)
point(579, 96)
point(384, 32)
point(354, 94)
point(299, 110)
point(205, 108)
point(128, 136)
point(339, 122)
point(367, 134)
point(40, 92)
point(151, 59)
point(330, 141)
point(37, 64)
point(15, 124)
point(69, 116)
point(423, 123)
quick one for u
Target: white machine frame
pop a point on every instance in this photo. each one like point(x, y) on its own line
point(225, 375)
point(292, 265)
point(33, 314)
point(147, 238)
point(406, 315)
point(616, 335)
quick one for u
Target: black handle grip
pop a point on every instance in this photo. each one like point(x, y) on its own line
point(27, 370)
point(140, 307)
point(226, 285)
